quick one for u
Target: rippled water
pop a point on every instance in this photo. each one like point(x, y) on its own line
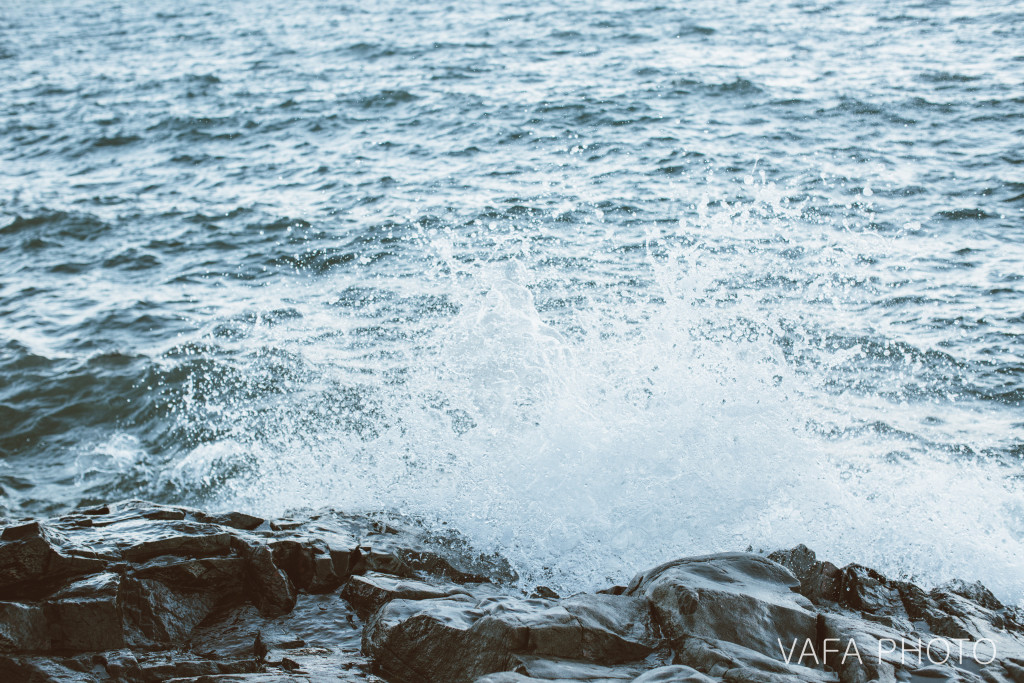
point(597, 284)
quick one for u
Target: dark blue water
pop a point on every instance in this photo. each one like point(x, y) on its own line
point(596, 283)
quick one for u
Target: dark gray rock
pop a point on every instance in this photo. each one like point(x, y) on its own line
point(199, 544)
point(23, 628)
point(87, 615)
point(33, 553)
point(308, 563)
point(820, 582)
point(613, 628)
point(676, 673)
point(268, 587)
point(47, 670)
point(718, 657)
point(460, 638)
point(865, 635)
point(543, 668)
point(234, 520)
point(868, 591)
point(137, 592)
point(369, 592)
point(447, 640)
point(737, 597)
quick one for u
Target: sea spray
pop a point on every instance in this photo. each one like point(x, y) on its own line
point(580, 430)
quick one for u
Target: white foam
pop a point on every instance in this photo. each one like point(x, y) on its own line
point(655, 419)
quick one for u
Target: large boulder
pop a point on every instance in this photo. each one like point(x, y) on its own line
point(740, 598)
point(459, 638)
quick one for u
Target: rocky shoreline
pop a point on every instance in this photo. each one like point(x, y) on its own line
point(135, 591)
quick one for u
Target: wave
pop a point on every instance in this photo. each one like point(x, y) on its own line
point(581, 431)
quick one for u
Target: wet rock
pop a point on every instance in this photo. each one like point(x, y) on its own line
point(975, 592)
point(383, 562)
point(87, 615)
point(46, 670)
point(322, 634)
point(308, 563)
point(460, 638)
point(285, 524)
point(402, 548)
point(865, 636)
point(369, 592)
point(866, 590)
point(139, 592)
point(614, 628)
point(447, 639)
point(716, 658)
point(23, 628)
point(223, 576)
point(268, 587)
point(32, 553)
point(201, 544)
point(737, 597)
point(1009, 670)
point(677, 673)
point(921, 606)
point(234, 520)
point(820, 582)
point(574, 670)
point(948, 612)
point(505, 677)
point(159, 615)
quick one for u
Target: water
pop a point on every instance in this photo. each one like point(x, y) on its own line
point(596, 284)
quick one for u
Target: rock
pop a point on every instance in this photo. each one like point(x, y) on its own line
point(614, 628)
point(865, 636)
point(402, 548)
point(46, 670)
point(268, 587)
point(459, 638)
point(87, 615)
point(866, 590)
point(820, 582)
point(737, 597)
point(370, 592)
point(308, 563)
point(574, 670)
point(159, 615)
point(1010, 670)
point(718, 657)
point(950, 614)
point(677, 673)
point(383, 562)
point(23, 628)
point(32, 553)
point(235, 520)
point(200, 545)
point(444, 640)
point(975, 592)
point(505, 677)
point(138, 592)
